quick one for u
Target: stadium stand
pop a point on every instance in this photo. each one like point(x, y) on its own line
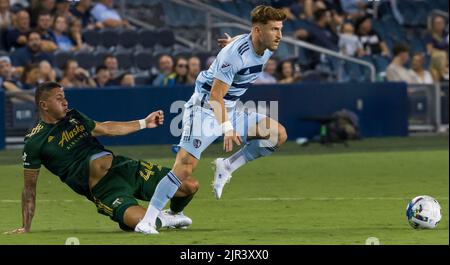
point(136, 47)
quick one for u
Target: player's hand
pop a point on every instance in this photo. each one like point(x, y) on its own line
point(155, 119)
point(21, 230)
point(230, 138)
point(224, 41)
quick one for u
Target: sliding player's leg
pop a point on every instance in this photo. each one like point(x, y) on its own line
point(262, 136)
point(174, 218)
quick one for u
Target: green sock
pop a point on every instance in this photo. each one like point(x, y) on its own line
point(177, 204)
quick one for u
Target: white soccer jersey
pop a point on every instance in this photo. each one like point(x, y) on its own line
point(238, 65)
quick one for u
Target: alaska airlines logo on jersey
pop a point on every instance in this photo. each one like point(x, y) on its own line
point(69, 135)
point(35, 130)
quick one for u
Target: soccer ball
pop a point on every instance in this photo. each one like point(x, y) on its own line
point(423, 212)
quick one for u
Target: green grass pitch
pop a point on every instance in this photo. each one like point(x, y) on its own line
point(301, 195)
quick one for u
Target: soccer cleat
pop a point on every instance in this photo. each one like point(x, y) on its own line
point(173, 220)
point(221, 177)
point(146, 228)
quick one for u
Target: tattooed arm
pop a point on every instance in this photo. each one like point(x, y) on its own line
point(28, 201)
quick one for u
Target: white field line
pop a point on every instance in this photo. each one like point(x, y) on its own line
point(264, 199)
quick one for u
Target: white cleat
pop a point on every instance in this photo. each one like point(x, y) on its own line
point(221, 177)
point(146, 228)
point(173, 220)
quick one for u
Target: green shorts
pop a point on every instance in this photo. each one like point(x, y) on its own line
point(126, 181)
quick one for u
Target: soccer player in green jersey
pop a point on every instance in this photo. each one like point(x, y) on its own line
point(64, 142)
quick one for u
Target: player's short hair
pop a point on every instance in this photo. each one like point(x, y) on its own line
point(44, 88)
point(263, 14)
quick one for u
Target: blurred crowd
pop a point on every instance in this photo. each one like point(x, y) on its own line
point(32, 31)
point(346, 26)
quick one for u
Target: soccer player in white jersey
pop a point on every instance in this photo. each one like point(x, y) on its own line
point(210, 113)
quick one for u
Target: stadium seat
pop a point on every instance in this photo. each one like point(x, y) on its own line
point(125, 60)
point(147, 38)
point(166, 38)
point(61, 58)
point(99, 57)
point(141, 80)
point(109, 38)
point(85, 59)
point(91, 37)
point(128, 38)
point(381, 63)
point(143, 60)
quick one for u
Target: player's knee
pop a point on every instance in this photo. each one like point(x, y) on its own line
point(184, 166)
point(191, 186)
point(282, 135)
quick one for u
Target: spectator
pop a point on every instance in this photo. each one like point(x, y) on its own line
point(75, 76)
point(63, 9)
point(30, 77)
point(7, 72)
point(321, 33)
point(436, 39)
point(418, 73)
point(179, 74)
point(193, 69)
point(44, 23)
point(396, 71)
point(268, 74)
point(62, 40)
point(349, 43)
point(127, 80)
point(301, 9)
point(82, 11)
point(20, 4)
point(437, 47)
point(287, 73)
point(354, 8)
point(101, 76)
point(47, 74)
point(16, 36)
point(165, 66)
point(372, 42)
point(9, 82)
point(31, 53)
point(5, 15)
point(439, 66)
point(104, 12)
point(115, 75)
point(75, 34)
point(41, 6)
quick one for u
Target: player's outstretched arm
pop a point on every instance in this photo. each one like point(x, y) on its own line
point(117, 128)
point(218, 91)
point(28, 200)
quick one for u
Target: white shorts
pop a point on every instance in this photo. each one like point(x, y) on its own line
point(200, 127)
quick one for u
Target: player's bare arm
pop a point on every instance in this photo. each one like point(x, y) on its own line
point(115, 128)
point(28, 201)
point(218, 91)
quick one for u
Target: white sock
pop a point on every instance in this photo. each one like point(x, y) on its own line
point(235, 161)
point(151, 215)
